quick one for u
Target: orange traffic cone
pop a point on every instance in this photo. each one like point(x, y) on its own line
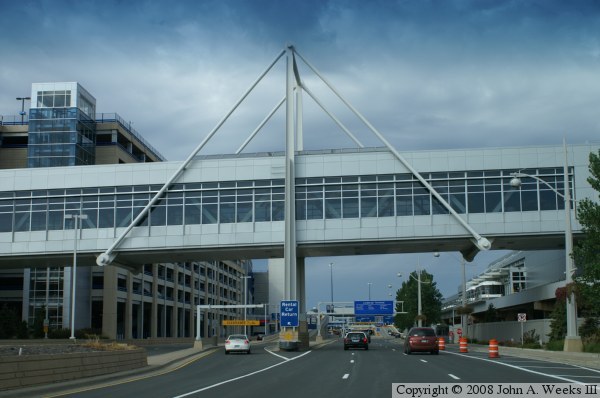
point(441, 344)
point(494, 349)
point(462, 344)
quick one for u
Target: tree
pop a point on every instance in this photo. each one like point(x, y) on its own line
point(8, 322)
point(431, 301)
point(558, 326)
point(587, 252)
point(491, 314)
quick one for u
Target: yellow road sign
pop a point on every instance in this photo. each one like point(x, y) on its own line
point(240, 322)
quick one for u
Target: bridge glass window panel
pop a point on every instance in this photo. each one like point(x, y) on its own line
point(278, 210)
point(314, 200)
point(174, 208)
point(91, 222)
point(226, 204)
point(441, 186)
point(158, 214)
point(6, 215)
point(244, 212)
point(385, 198)
point(350, 200)
point(421, 199)
point(22, 215)
point(512, 200)
point(56, 213)
point(193, 207)
point(123, 216)
point(404, 198)
point(90, 207)
point(368, 198)
point(73, 200)
point(39, 212)
point(210, 207)
point(106, 211)
point(244, 205)
point(300, 193)
point(457, 196)
point(333, 201)
point(529, 195)
point(437, 207)
point(262, 206)
point(475, 195)
point(140, 200)
point(404, 206)
point(493, 195)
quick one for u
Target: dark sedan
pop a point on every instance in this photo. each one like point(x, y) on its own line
point(356, 340)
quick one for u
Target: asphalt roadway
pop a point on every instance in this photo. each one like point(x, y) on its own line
point(325, 370)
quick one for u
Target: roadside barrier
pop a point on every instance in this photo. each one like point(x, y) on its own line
point(493, 350)
point(441, 344)
point(462, 345)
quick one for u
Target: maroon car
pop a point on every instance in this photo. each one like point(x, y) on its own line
point(421, 340)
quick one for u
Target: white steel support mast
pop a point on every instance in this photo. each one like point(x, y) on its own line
point(289, 247)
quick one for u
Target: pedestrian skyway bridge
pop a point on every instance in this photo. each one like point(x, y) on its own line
point(347, 202)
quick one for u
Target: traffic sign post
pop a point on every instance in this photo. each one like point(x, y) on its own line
point(289, 320)
point(289, 313)
point(522, 318)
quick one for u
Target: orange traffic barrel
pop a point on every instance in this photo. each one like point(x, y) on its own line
point(441, 344)
point(462, 344)
point(494, 349)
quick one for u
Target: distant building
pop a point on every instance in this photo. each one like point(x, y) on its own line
point(519, 282)
point(64, 129)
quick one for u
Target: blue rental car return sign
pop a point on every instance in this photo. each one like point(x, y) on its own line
point(289, 313)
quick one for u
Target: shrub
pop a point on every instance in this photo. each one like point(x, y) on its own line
point(592, 347)
point(59, 333)
point(555, 345)
point(531, 338)
point(589, 329)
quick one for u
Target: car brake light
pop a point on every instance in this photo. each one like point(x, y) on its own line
point(365, 340)
point(227, 341)
point(246, 342)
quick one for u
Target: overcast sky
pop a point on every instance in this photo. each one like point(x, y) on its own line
point(426, 74)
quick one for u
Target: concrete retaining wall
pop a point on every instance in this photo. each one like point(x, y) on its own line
point(29, 370)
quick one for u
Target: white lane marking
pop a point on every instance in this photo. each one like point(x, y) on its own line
point(454, 377)
point(240, 377)
point(352, 361)
point(422, 360)
point(517, 367)
point(277, 355)
point(346, 376)
point(584, 376)
point(548, 367)
point(583, 367)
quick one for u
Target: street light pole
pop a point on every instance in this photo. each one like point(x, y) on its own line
point(369, 283)
point(331, 279)
point(23, 113)
point(76, 228)
point(245, 301)
point(572, 339)
point(419, 309)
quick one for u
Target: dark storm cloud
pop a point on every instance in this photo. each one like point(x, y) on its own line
point(427, 74)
